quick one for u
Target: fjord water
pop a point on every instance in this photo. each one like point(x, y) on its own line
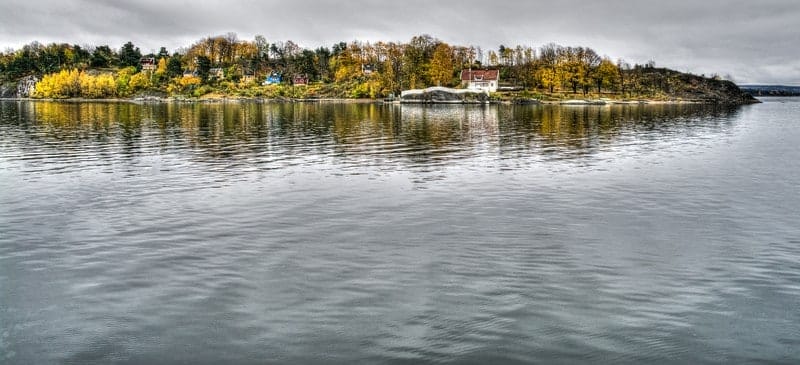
point(364, 233)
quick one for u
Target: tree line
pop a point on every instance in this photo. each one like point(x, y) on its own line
point(367, 69)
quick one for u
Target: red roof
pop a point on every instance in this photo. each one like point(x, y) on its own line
point(480, 75)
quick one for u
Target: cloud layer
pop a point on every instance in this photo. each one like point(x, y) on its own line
point(753, 41)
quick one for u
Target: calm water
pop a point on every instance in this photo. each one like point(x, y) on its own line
point(356, 233)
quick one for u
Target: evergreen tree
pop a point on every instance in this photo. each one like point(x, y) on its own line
point(203, 67)
point(129, 55)
point(174, 67)
point(103, 56)
point(162, 53)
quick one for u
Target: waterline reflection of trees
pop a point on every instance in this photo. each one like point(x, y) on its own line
point(353, 133)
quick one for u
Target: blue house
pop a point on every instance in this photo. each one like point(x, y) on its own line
point(273, 79)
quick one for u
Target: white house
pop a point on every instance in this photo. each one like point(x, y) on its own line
point(216, 73)
point(484, 80)
point(367, 69)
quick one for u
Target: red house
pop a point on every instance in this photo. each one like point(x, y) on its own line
point(300, 80)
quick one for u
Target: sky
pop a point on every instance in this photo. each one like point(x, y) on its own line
point(746, 41)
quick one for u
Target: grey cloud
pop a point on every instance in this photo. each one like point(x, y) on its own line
point(755, 41)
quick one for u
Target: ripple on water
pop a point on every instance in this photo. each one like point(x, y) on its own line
point(302, 233)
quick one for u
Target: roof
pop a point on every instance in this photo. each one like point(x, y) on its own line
point(480, 75)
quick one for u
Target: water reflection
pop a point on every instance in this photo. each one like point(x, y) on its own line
point(368, 233)
point(360, 133)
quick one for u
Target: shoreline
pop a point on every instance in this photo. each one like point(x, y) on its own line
point(222, 100)
point(141, 100)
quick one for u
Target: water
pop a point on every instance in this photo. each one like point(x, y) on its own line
point(359, 233)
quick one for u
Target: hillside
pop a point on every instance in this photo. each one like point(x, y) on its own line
point(225, 66)
point(666, 83)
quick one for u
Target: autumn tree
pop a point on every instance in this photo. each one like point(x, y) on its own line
point(548, 73)
point(590, 61)
point(322, 58)
point(138, 82)
point(572, 67)
point(440, 71)
point(345, 64)
point(493, 59)
point(605, 74)
point(416, 54)
point(123, 79)
point(161, 69)
point(527, 69)
point(62, 84)
point(388, 77)
point(360, 68)
point(95, 87)
point(160, 73)
point(622, 67)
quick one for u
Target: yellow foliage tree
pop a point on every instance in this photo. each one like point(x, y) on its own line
point(162, 66)
point(441, 68)
point(347, 65)
point(606, 73)
point(346, 71)
point(63, 84)
point(106, 85)
point(189, 81)
point(493, 59)
point(123, 79)
point(139, 81)
point(74, 83)
point(89, 87)
point(388, 78)
point(548, 78)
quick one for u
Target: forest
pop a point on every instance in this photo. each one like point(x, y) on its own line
point(229, 66)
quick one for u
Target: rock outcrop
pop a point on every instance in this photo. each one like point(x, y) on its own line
point(8, 90)
point(444, 95)
point(696, 88)
point(22, 88)
point(26, 86)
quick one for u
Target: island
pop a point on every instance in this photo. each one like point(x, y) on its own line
point(423, 70)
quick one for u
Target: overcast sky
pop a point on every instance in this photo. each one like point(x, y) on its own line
point(754, 41)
